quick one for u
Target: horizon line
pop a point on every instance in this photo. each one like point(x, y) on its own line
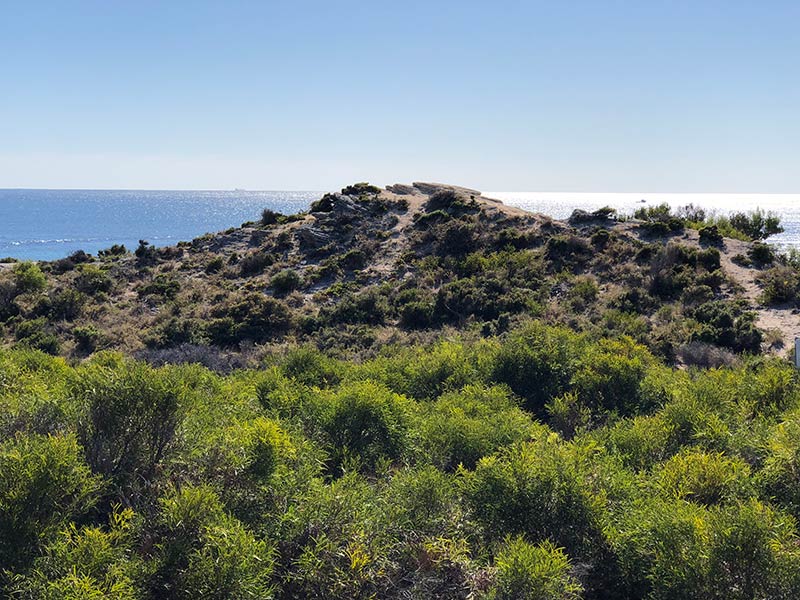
point(125, 189)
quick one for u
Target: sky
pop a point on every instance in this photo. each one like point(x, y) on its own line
point(602, 96)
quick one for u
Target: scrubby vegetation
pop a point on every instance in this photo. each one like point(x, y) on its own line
point(750, 226)
point(412, 393)
point(542, 463)
point(409, 264)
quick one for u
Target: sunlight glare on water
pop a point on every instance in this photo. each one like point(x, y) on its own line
point(560, 205)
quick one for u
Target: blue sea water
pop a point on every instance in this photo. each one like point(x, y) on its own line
point(51, 224)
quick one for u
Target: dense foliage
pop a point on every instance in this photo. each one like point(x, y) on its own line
point(543, 463)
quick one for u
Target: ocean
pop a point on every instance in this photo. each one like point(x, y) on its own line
point(51, 224)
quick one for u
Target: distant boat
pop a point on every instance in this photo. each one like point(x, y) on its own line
point(239, 190)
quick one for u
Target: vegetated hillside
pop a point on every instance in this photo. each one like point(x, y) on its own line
point(481, 421)
point(367, 267)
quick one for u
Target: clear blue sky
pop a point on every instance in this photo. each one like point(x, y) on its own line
point(642, 95)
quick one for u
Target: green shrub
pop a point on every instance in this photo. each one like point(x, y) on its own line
point(353, 260)
point(674, 268)
point(131, 416)
point(659, 212)
point(367, 423)
point(145, 254)
point(309, 366)
point(483, 298)
point(86, 562)
point(269, 217)
point(34, 333)
point(567, 251)
point(583, 292)
point(538, 490)
point(456, 238)
point(215, 265)
point(609, 375)
point(462, 427)
point(284, 282)
point(753, 553)
point(361, 189)
point(756, 224)
point(705, 478)
point(200, 552)
point(165, 286)
point(174, 332)
point(87, 338)
point(727, 324)
point(28, 277)
point(113, 251)
point(67, 264)
point(370, 307)
point(255, 262)
point(536, 362)
point(662, 547)
point(780, 477)
point(416, 315)
point(427, 372)
point(711, 235)
point(44, 484)
point(761, 254)
point(62, 304)
point(444, 200)
point(92, 281)
point(248, 317)
point(423, 500)
point(534, 572)
point(780, 285)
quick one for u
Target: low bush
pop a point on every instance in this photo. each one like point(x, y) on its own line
point(761, 254)
point(269, 217)
point(215, 265)
point(361, 189)
point(727, 324)
point(757, 224)
point(34, 333)
point(255, 262)
point(537, 490)
point(248, 317)
point(534, 571)
point(779, 284)
point(537, 364)
point(200, 552)
point(366, 424)
point(87, 338)
point(44, 485)
point(131, 416)
point(28, 278)
point(113, 251)
point(462, 427)
point(62, 304)
point(285, 282)
point(92, 280)
point(145, 254)
point(164, 286)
